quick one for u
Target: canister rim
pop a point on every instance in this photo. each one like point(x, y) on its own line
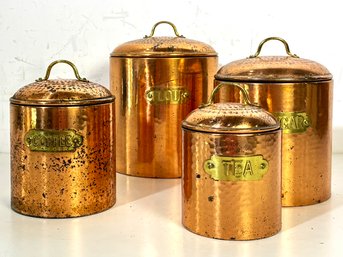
point(247, 79)
point(232, 131)
point(161, 55)
point(57, 102)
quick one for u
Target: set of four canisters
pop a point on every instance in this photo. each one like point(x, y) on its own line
point(175, 114)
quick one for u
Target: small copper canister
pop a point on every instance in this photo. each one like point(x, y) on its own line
point(157, 81)
point(231, 171)
point(299, 93)
point(62, 148)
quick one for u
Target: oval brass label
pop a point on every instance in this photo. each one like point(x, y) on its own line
point(168, 95)
point(46, 140)
point(236, 168)
point(293, 122)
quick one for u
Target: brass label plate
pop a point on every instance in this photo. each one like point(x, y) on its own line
point(168, 95)
point(236, 168)
point(44, 140)
point(293, 122)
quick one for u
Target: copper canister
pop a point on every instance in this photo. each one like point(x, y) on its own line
point(299, 93)
point(62, 148)
point(157, 81)
point(231, 171)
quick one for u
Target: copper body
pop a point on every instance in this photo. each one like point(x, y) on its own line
point(49, 182)
point(231, 171)
point(149, 135)
point(306, 156)
point(156, 83)
point(299, 93)
point(241, 210)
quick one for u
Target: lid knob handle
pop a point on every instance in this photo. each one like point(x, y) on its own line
point(165, 22)
point(269, 39)
point(48, 70)
point(246, 99)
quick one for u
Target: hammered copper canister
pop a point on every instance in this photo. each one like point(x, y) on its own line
point(231, 171)
point(62, 148)
point(299, 93)
point(157, 81)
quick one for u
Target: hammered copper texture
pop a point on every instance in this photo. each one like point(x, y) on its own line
point(273, 68)
point(63, 184)
point(306, 157)
point(149, 135)
point(233, 117)
point(241, 210)
point(163, 46)
point(66, 89)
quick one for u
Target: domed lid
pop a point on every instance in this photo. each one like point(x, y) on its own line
point(230, 117)
point(62, 92)
point(151, 46)
point(289, 68)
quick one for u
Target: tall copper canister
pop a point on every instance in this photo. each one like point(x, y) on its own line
point(62, 147)
point(157, 81)
point(299, 93)
point(231, 171)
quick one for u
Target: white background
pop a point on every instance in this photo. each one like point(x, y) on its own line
point(35, 33)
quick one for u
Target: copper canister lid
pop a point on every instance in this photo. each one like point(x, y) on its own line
point(289, 68)
point(151, 46)
point(62, 92)
point(230, 117)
